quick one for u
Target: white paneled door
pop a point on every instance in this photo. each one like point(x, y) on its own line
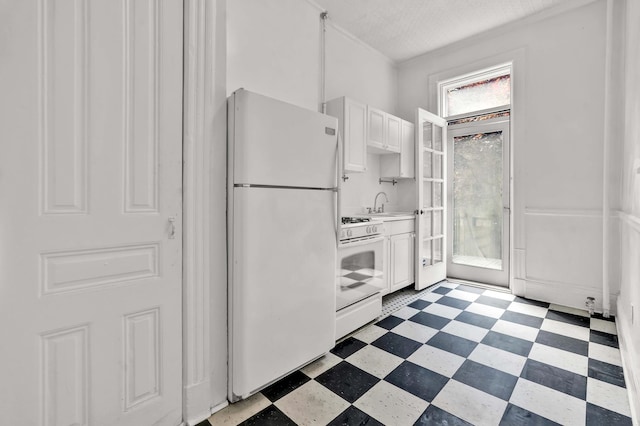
point(90, 212)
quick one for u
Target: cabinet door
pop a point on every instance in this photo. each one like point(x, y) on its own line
point(355, 136)
point(407, 154)
point(401, 165)
point(401, 261)
point(377, 128)
point(393, 138)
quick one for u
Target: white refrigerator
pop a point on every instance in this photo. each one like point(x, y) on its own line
point(282, 225)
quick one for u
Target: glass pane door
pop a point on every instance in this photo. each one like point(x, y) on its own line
point(479, 202)
point(431, 164)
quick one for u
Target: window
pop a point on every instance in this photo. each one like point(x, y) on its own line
point(488, 89)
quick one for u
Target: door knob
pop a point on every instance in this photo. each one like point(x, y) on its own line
point(172, 228)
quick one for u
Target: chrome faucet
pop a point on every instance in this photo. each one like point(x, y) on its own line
point(375, 203)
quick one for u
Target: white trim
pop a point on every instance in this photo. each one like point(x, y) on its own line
point(478, 113)
point(629, 359)
point(204, 207)
point(199, 418)
point(631, 220)
point(492, 122)
point(563, 212)
point(564, 294)
point(195, 273)
point(608, 119)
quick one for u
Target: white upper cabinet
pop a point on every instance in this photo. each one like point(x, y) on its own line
point(407, 157)
point(394, 128)
point(401, 165)
point(352, 123)
point(383, 132)
point(376, 137)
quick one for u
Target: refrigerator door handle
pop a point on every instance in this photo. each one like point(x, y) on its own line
point(338, 187)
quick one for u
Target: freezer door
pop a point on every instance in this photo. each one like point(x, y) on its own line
point(282, 283)
point(276, 143)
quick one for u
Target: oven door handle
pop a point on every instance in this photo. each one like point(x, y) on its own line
point(362, 242)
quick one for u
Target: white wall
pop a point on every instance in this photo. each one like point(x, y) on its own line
point(274, 49)
point(557, 142)
point(628, 319)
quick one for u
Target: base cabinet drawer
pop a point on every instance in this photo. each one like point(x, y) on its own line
point(355, 316)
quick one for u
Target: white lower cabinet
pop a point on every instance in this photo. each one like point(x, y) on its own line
point(401, 261)
point(399, 249)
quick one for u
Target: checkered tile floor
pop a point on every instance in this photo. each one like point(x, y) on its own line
point(458, 355)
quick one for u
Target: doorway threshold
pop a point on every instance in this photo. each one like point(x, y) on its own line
point(480, 285)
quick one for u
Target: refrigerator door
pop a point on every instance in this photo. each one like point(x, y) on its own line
point(280, 144)
point(282, 275)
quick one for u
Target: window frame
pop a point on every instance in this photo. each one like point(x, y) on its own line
point(470, 78)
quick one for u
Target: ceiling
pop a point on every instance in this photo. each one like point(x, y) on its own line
point(402, 29)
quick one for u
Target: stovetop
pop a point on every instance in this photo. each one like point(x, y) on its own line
point(347, 220)
point(357, 227)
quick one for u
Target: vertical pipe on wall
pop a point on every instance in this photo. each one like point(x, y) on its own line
point(607, 140)
point(323, 56)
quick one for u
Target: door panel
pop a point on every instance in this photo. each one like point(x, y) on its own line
point(431, 198)
point(90, 273)
point(479, 202)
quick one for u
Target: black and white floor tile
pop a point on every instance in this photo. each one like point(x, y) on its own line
point(457, 355)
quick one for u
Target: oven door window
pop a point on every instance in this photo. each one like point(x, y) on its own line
point(361, 273)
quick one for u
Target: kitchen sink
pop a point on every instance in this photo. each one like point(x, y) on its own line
point(390, 214)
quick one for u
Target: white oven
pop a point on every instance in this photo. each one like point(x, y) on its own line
point(360, 263)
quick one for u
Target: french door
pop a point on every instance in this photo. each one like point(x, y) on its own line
point(478, 202)
point(431, 172)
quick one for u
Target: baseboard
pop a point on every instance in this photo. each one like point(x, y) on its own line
point(518, 287)
point(199, 418)
point(630, 358)
point(198, 403)
point(219, 407)
point(563, 294)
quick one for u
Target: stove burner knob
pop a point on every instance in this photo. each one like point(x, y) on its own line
point(375, 228)
point(349, 233)
point(368, 229)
